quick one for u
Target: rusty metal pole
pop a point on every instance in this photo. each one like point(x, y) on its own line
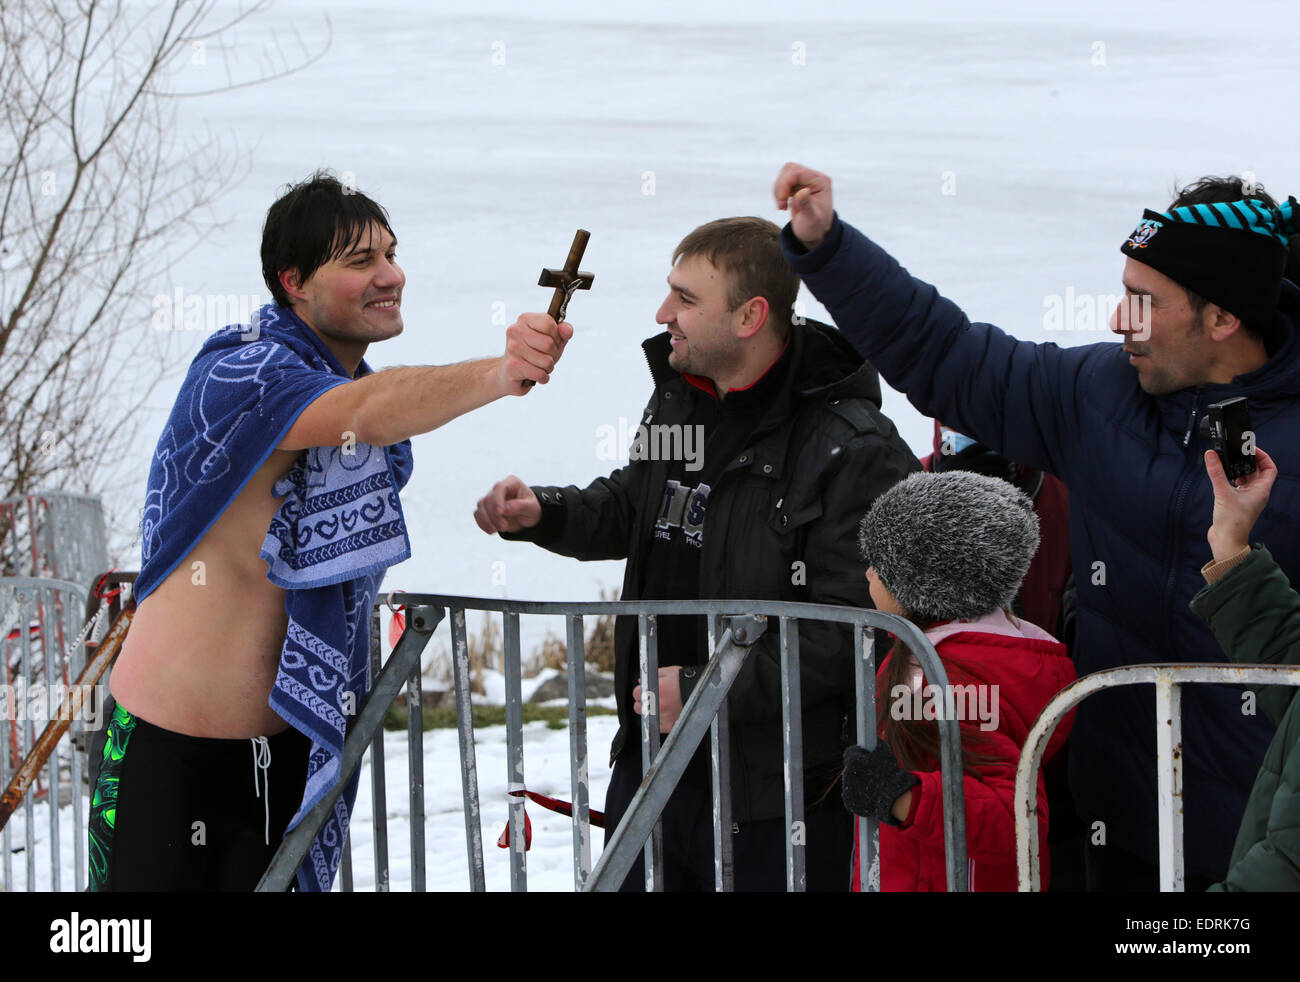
point(55, 729)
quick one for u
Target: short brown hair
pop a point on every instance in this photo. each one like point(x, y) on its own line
point(749, 251)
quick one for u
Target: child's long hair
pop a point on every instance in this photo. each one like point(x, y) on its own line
point(915, 742)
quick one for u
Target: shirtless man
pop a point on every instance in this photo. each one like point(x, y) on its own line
point(201, 658)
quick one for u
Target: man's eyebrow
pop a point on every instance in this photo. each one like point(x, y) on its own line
point(359, 250)
point(680, 289)
point(1136, 289)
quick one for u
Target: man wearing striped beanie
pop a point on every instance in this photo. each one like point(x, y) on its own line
point(1209, 316)
point(1227, 259)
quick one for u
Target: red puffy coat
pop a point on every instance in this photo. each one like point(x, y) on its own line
point(1022, 674)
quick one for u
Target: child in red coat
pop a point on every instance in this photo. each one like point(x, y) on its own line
point(948, 551)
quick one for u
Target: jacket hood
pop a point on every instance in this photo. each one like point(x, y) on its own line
point(1026, 674)
point(823, 364)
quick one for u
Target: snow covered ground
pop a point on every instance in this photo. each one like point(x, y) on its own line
point(546, 770)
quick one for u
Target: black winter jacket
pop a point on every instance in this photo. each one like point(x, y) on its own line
point(820, 456)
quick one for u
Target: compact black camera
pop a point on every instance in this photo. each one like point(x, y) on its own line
point(1227, 426)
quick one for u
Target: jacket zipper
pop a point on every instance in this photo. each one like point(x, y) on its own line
point(1191, 421)
point(1171, 580)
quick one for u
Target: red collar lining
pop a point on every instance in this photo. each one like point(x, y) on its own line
point(706, 385)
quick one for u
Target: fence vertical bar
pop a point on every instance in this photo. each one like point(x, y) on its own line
point(724, 871)
point(415, 768)
point(378, 789)
point(578, 749)
point(515, 755)
point(1169, 780)
point(468, 762)
point(28, 738)
point(864, 665)
point(10, 616)
point(649, 654)
point(79, 744)
point(48, 606)
point(345, 871)
point(796, 879)
point(6, 836)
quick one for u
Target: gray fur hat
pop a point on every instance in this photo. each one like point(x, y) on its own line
point(951, 546)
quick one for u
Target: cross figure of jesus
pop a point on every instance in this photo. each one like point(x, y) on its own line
point(566, 280)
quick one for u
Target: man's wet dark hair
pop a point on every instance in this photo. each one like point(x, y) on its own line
point(311, 224)
point(1219, 190)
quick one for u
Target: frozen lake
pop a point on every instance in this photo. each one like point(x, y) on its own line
point(1002, 155)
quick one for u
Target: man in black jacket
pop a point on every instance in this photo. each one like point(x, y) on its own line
point(771, 426)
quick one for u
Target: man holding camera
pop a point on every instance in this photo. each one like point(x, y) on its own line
point(1207, 317)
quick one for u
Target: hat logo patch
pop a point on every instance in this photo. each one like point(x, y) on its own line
point(1144, 233)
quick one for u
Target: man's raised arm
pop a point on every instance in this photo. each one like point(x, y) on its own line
point(395, 404)
point(1016, 397)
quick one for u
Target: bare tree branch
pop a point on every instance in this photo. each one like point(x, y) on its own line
point(97, 200)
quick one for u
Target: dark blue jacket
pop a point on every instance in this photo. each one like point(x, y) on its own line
point(1140, 505)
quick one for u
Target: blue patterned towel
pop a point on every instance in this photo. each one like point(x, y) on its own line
point(338, 529)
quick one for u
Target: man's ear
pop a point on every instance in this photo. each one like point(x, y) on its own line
point(291, 283)
point(753, 315)
point(1222, 325)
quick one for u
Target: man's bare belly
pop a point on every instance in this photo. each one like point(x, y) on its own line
point(203, 649)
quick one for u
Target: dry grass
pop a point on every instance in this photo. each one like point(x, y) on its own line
point(600, 637)
point(487, 651)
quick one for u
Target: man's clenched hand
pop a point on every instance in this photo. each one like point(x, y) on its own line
point(807, 193)
point(508, 507)
point(534, 344)
point(670, 697)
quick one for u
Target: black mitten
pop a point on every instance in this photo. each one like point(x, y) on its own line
point(873, 781)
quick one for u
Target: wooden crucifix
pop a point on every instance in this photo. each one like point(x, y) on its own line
point(567, 279)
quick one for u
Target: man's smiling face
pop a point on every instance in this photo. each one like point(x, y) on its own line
point(699, 319)
point(356, 297)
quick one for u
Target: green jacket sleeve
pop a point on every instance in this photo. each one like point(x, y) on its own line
point(1273, 863)
point(1255, 616)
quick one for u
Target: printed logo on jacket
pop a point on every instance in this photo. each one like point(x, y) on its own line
point(683, 507)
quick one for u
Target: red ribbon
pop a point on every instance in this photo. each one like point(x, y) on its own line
point(550, 804)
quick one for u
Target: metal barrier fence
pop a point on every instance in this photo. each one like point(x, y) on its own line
point(47, 627)
point(39, 619)
point(1169, 753)
point(734, 626)
point(53, 534)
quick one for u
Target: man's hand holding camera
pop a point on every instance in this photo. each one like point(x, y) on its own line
point(1236, 508)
